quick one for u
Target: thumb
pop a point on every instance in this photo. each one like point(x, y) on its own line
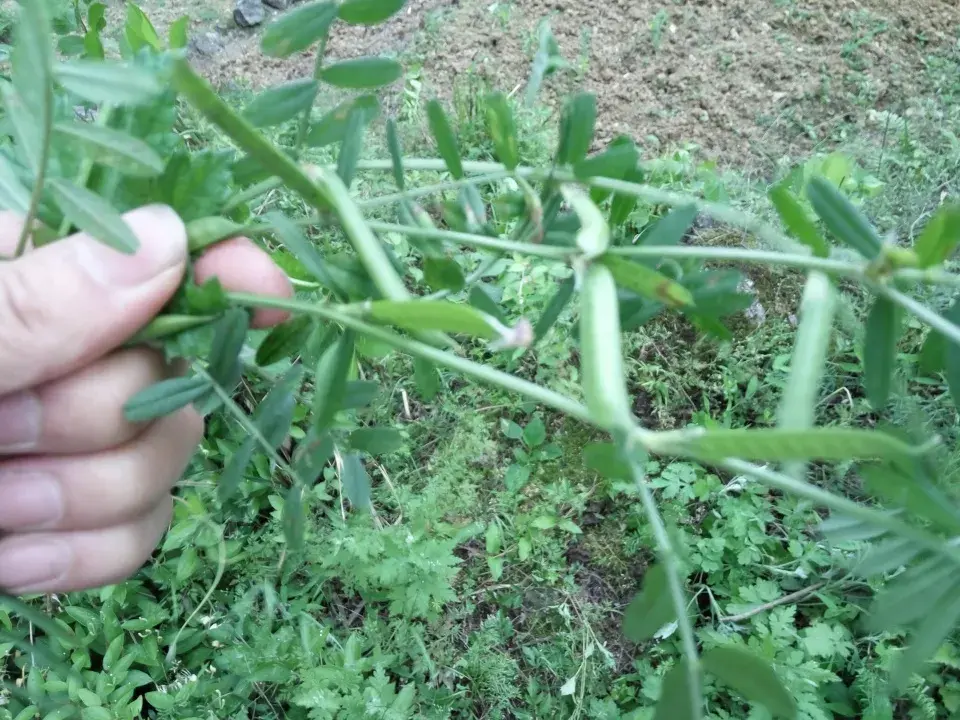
point(73, 301)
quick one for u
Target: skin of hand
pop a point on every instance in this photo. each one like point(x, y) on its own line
point(85, 496)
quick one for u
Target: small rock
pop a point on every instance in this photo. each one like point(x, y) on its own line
point(248, 13)
point(278, 4)
point(209, 43)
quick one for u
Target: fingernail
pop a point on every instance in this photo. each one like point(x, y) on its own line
point(20, 422)
point(27, 565)
point(163, 244)
point(29, 501)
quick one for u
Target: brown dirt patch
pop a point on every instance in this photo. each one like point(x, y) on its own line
point(748, 80)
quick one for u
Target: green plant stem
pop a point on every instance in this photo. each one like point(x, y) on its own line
point(817, 310)
point(671, 564)
point(436, 188)
point(46, 134)
point(483, 373)
point(477, 241)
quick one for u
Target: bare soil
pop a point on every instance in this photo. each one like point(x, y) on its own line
point(749, 81)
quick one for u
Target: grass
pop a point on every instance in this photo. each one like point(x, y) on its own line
point(491, 578)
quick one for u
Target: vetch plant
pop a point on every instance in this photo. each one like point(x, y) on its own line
point(63, 173)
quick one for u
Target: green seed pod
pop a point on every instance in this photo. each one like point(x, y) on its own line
point(601, 364)
point(164, 326)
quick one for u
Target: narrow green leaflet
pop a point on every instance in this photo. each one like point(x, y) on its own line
point(676, 696)
point(32, 57)
point(360, 393)
point(206, 231)
point(434, 315)
point(912, 492)
point(929, 635)
point(623, 204)
point(396, 154)
point(94, 215)
point(330, 380)
point(139, 31)
point(752, 677)
point(356, 481)
point(26, 131)
point(443, 273)
point(886, 556)
point(776, 444)
point(481, 297)
point(614, 162)
point(232, 475)
point(842, 219)
point(880, 351)
point(285, 340)
point(795, 219)
point(13, 195)
point(651, 609)
point(672, 228)
point(951, 355)
point(352, 145)
point(426, 377)
point(502, 129)
point(106, 82)
point(298, 29)
point(281, 103)
point(376, 440)
point(294, 518)
point(369, 12)
point(840, 528)
point(940, 236)
point(445, 139)
point(912, 595)
point(274, 414)
point(606, 460)
point(113, 148)
point(178, 33)
point(303, 250)
point(577, 128)
point(165, 398)
point(312, 455)
point(362, 73)
point(559, 301)
point(224, 362)
point(647, 283)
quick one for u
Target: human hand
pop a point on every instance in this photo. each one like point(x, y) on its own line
point(84, 494)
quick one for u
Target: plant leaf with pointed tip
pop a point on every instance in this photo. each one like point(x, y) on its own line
point(94, 215)
point(376, 440)
point(110, 147)
point(777, 444)
point(229, 481)
point(356, 481)
point(623, 204)
point(940, 236)
point(842, 219)
point(675, 696)
point(369, 12)
point(396, 154)
point(284, 340)
point(795, 219)
point(652, 607)
point(362, 73)
point(352, 145)
point(426, 377)
point(298, 29)
point(559, 301)
point(281, 103)
point(359, 393)
point(671, 228)
point(303, 250)
point(31, 59)
point(577, 128)
point(912, 492)
point(443, 273)
point(433, 315)
point(951, 355)
point(752, 677)
point(228, 340)
point(24, 128)
point(927, 637)
point(482, 299)
point(13, 195)
point(880, 351)
point(274, 414)
point(502, 129)
point(445, 138)
point(164, 398)
point(647, 282)
point(330, 380)
point(614, 162)
point(107, 82)
point(605, 459)
point(294, 517)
